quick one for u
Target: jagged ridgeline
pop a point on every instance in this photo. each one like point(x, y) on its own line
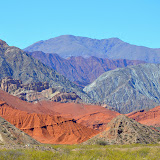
point(18, 64)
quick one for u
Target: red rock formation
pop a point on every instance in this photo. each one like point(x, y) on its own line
point(150, 118)
point(11, 135)
point(92, 116)
point(15, 102)
point(47, 128)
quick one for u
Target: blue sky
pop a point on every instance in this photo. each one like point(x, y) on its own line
point(135, 21)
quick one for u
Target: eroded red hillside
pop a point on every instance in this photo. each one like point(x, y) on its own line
point(92, 116)
point(150, 118)
point(19, 104)
point(47, 128)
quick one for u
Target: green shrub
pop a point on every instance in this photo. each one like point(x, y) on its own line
point(102, 143)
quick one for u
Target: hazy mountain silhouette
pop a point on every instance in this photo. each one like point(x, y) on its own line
point(114, 48)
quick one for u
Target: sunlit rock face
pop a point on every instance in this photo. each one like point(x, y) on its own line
point(128, 89)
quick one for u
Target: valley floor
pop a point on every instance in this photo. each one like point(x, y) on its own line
point(80, 152)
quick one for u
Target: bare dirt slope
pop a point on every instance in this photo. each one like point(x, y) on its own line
point(92, 116)
point(150, 118)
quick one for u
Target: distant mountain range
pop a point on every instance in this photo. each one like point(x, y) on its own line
point(59, 113)
point(18, 64)
point(80, 70)
point(113, 48)
point(124, 89)
point(128, 89)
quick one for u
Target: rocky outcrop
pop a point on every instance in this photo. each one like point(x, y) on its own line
point(150, 118)
point(36, 86)
point(123, 130)
point(3, 46)
point(113, 48)
point(128, 89)
point(66, 97)
point(44, 128)
point(8, 84)
point(28, 92)
point(18, 64)
point(9, 134)
point(37, 91)
point(81, 71)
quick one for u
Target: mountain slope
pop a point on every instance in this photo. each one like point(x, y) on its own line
point(47, 128)
point(150, 118)
point(9, 134)
point(128, 89)
point(36, 91)
point(114, 48)
point(123, 130)
point(19, 65)
point(92, 116)
point(81, 70)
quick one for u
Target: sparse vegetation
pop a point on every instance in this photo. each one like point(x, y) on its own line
point(4, 131)
point(85, 152)
point(102, 143)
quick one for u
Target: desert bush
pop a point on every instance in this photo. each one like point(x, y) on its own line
point(102, 143)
